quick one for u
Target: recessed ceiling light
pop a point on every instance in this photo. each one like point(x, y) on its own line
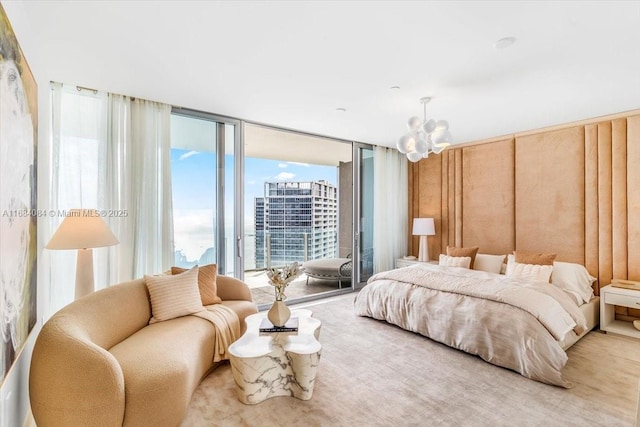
point(395, 87)
point(341, 109)
point(504, 42)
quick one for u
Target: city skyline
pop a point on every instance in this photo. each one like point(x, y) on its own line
point(194, 193)
point(296, 221)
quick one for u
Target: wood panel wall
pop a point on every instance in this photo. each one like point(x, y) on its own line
point(573, 190)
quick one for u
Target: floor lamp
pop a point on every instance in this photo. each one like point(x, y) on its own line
point(423, 227)
point(82, 229)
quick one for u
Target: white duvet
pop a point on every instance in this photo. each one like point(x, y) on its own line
point(507, 322)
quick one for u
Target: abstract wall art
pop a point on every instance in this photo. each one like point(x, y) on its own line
point(18, 213)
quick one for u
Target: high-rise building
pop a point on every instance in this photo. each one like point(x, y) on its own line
point(296, 221)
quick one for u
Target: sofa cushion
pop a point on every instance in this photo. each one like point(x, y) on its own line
point(174, 296)
point(206, 283)
point(162, 365)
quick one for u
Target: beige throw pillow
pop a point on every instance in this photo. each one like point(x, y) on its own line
point(206, 283)
point(531, 272)
point(453, 261)
point(489, 263)
point(458, 252)
point(173, 296)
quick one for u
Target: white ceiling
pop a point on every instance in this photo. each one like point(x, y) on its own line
point(292, 64)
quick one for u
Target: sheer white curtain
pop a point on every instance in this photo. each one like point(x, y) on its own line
point(138, 190)
point(151, 187)
point(111, 153)
point(78, 134)
point(117, 193)
point(390, 207)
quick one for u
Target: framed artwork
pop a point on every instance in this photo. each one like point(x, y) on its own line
point(18, 213)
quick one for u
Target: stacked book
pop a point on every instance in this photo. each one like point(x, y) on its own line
point(291, 327)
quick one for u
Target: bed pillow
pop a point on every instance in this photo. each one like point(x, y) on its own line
point(174, 296)
point(454, 261)
point(489, 263)
point(206, 283)
point(463, 252)
point(573, 278)
point(533, 272)
point(537, 258)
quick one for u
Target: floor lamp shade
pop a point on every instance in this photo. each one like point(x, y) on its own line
point(423, 227)
point(82, 229)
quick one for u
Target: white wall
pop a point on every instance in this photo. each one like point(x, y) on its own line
point(14, 393)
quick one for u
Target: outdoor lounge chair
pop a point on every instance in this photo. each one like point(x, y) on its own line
point(329, 269)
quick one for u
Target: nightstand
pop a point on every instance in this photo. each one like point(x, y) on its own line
point(609, 298)
point(401, 262)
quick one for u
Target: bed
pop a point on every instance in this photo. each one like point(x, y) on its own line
point(523, 325)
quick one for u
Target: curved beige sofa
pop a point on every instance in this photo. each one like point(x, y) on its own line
point(97, 362)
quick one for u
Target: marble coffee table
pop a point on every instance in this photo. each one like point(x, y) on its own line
point(277, 364)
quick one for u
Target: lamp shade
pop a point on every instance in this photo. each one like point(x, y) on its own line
point(423, 227)
point(82, 229)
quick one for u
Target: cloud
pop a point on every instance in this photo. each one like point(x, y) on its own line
point(193, 231)
point(299, 164)
point(283, 176)
point(282, 165)
point(188, 154)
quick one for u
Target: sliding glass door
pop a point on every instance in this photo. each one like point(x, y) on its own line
point(249, 197)
point(297, 208)
point(203, 177)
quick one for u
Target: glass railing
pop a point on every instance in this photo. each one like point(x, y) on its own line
point(268, 250)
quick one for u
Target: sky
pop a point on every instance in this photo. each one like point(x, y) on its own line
point(194, 192)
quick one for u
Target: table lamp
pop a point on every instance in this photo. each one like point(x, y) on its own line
point(423, 227)
point(82, 229)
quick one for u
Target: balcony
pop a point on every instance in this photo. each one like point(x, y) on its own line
point(263, 293)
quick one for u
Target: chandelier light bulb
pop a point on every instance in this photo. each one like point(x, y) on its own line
point(414, 123)
point(414, 156)
point(429, 126)
point(442, 137)
point(411, 143)
point(442, 125)
point(403, 144)
point(437, 149)
point(421, 145)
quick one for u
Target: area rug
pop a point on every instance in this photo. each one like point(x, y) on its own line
point(375, 374)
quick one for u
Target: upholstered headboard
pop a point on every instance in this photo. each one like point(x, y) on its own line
point(573, 190)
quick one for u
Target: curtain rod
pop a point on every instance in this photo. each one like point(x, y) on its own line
point(81, 88)
point(95, 91)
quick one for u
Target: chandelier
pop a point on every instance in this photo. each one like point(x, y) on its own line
point(425, 136)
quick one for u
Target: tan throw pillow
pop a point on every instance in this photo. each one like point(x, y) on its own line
point(173, 296)
point(206, 283)
point(539, 258)
point(458, 252)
